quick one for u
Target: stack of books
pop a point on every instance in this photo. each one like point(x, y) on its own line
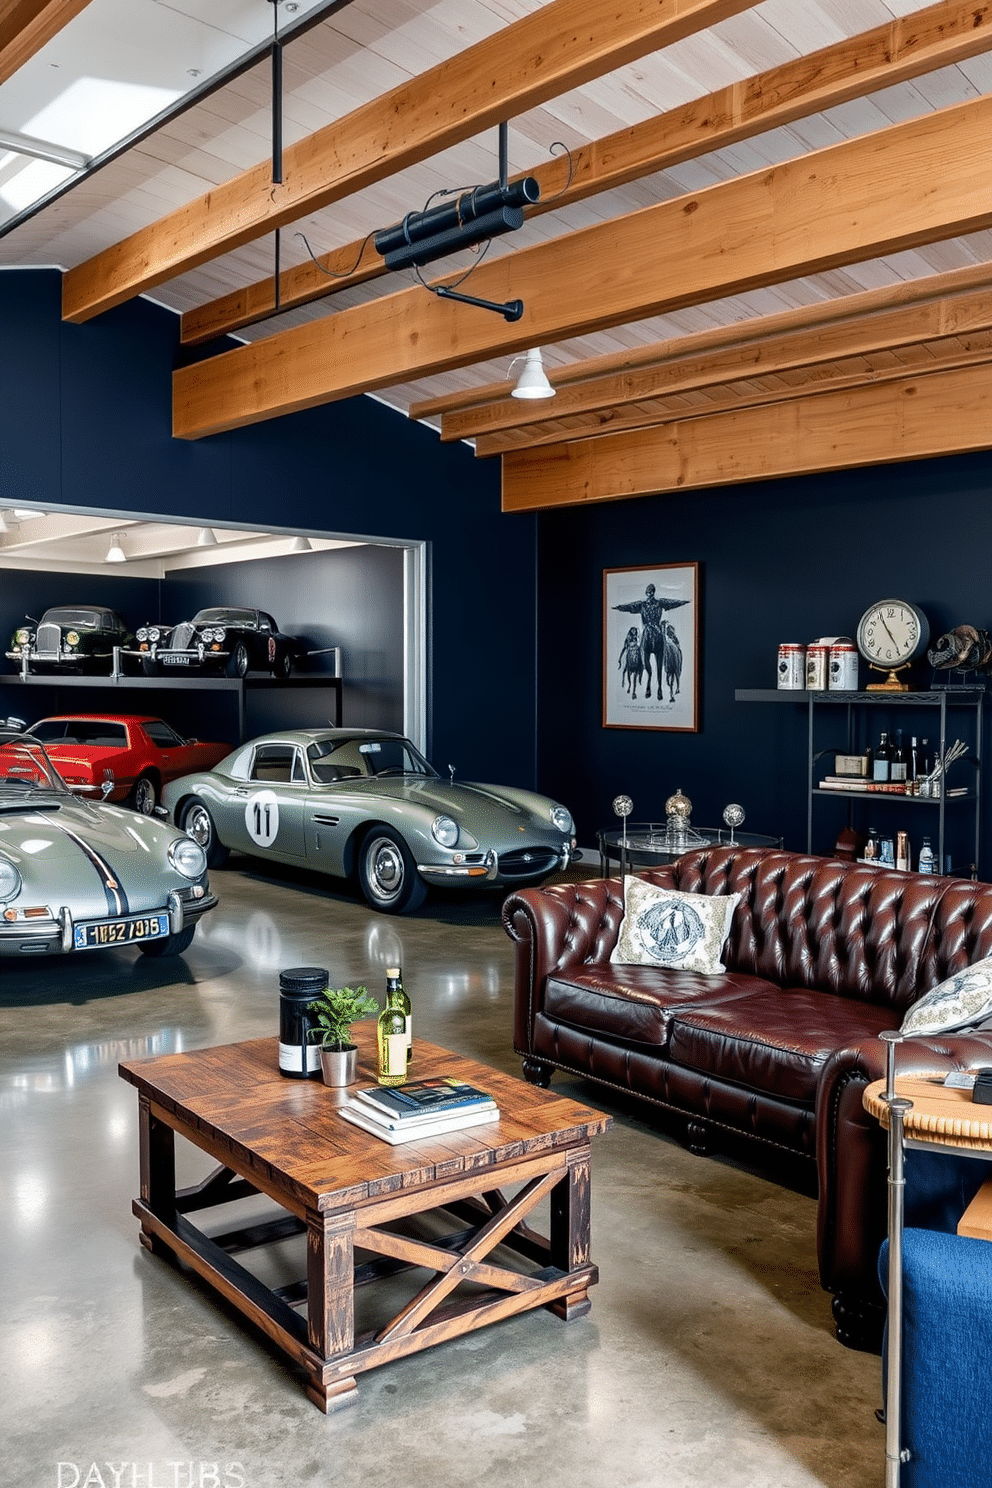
point(419, 1109)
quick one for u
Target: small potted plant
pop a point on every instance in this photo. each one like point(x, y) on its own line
point(336, 1010)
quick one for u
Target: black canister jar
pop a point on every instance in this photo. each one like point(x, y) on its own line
point(299, 988)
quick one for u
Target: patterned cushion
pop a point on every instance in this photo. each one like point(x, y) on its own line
point(664, 927)
point(962, 1001)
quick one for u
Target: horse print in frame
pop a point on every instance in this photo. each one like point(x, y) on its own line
point(651, 647)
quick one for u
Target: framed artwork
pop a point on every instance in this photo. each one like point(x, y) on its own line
point(651, 647)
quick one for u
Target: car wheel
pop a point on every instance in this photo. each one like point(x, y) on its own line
point(388, 874)
point(283, 665)
point(144, 796)
point(237, 662)
point(169, 945)
point(195, 820)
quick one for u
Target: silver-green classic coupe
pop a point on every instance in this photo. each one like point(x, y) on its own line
point(79, 875)
point(365, 804)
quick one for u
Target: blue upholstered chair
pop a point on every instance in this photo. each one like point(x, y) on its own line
point(947, 1328)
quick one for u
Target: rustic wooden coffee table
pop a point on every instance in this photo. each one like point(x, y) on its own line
point(424, 1232)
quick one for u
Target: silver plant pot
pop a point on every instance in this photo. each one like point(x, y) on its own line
point(339, 1066)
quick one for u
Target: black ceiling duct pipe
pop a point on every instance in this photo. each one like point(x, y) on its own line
point(484, 212)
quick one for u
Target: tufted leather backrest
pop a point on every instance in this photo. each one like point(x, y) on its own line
point(846, 928)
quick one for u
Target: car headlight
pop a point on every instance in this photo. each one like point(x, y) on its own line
point(444, 831)
point(219, 633)
point(10, 880)
point(154, 634)
point(72, 637)
point(188, 857)
point(22, 636)
point(562, 819)
point(142, 634)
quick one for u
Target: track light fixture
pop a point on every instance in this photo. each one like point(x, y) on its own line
point(206, 539)
point(532, 382)
point(115, 553)
point(301, 544)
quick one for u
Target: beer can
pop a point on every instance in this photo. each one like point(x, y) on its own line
point(817, 662)
point(843, 666)
point(791, 666)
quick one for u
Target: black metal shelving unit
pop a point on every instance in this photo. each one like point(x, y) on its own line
point(941, 701)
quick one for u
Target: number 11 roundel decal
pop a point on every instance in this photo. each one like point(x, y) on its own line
point(262, 818)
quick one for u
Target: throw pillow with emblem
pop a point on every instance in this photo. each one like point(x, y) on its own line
point(664, 927)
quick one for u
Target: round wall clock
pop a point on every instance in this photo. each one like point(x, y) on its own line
point(891, 634)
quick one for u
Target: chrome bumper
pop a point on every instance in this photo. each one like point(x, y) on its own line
point(440, 874)
point(55, 936)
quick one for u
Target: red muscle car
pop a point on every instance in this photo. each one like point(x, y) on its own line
point(142, 754)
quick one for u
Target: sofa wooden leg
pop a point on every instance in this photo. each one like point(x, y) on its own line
point(538, 1073)
point(698, 1139)
point(859, 1322)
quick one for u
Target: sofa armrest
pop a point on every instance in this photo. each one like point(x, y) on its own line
point(554, 928)
point(852, 1153)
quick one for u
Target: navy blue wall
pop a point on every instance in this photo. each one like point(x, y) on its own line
point(787, 560)
point(85, 417)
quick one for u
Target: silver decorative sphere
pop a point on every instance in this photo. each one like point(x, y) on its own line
point(622, 805)
point(733, 815)
point(679, 805)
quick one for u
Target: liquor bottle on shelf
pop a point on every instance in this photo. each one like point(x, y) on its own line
point(914, 759)
point(394, 985)
point(926, 863)
point(883, 759)
point(391, 1034)
point(903, 859)
point(898, 766)
point(926, 764)
point(873, 848)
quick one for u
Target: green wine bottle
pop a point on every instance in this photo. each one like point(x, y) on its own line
point(394, 983)
point(391, 1032)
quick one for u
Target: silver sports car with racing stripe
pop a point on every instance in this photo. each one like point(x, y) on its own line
point(365, 804)
point(77, 875)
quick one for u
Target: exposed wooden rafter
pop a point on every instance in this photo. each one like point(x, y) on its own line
point(865, 369)
point(593, 392)
point(27, 25)
point(904, 420)
point(944, 34)
point(560, 46)
point(904, 186)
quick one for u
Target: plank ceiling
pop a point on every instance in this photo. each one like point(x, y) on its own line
point(715, 358)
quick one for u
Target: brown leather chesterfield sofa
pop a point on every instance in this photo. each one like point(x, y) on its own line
point(775, 1053)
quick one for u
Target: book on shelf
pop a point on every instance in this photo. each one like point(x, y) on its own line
point(396, 1130)
point(426, 1097)
point(881, 787)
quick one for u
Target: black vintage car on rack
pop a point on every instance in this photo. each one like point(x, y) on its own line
point(223, 639)
point(70, 638)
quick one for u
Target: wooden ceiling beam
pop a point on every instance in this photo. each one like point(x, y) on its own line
point(913, 418)
point(559, 47)
point(865, 369)
point(941, 35)
point(899, 315)
point(907, 185)
point(937, 304)
point(28, 25)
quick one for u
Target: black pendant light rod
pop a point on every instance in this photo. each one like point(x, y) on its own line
point(502, 155)
point(276, 97)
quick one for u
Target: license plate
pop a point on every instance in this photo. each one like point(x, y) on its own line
point(119, 932)
point(175, 660)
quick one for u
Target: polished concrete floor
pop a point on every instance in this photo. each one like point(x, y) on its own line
point(707, 1358)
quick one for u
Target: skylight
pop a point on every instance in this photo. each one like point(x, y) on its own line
point(89, 116)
